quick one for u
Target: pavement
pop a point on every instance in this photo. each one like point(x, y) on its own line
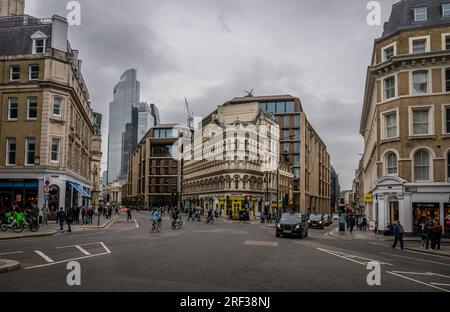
point(411, 243)
point(53, 229)
point(224, 257)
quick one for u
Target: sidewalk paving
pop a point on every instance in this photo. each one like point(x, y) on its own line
point(80, 227)
point(43, 231)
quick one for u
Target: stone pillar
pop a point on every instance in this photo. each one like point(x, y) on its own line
point(382, 224)
point(12, 7)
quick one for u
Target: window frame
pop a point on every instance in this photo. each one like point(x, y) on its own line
point(9, 108)
point(427, 45)
point(30, 72)
point(383, 50)
point(28, 108)
point(395, 88)
point(44, 44)
point(415, 14)
point(386, 163)
point(412, 91)
point(431, 129)
point(430, 164)
point(444, 10)
point(445, 36)
point(58, 152)
point(11, 72)
point(445, 130)
point(8, 151)
point(445, 81)
point(384, 124)
point(27, 140)
point(60, 107)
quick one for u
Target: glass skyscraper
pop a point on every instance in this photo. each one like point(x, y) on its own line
point(121, 110)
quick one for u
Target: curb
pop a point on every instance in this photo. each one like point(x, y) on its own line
point(427, 252)
point(8, 266)
point(30, 236)
point(98, 227)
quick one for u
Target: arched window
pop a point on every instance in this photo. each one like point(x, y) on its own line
point(422, 166)
point(391, 163)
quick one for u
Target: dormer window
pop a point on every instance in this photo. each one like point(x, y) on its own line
point(420, 14)
point(39, 42)
point(39, 46)
point(446, 10)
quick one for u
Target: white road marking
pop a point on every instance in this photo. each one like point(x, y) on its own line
point(82, 250)
point(352, 257)
point(439, 284)
point(87, 244)
point(414, 280)
point(44, 256)
point(135, 222)
point(261, 243)
point(112, 222)
point(75, 259)
point(426, 254)
point(11, 253)
point(423, 260)
point(106, 248)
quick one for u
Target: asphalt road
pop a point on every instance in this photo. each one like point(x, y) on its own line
point(224, 257)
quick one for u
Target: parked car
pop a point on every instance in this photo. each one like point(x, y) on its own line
point(316, 221)
point(292, 224)
point(336, 216)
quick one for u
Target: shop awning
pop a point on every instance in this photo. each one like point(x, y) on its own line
point(79, 189)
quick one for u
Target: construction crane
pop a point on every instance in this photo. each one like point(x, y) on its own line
point(190, 115)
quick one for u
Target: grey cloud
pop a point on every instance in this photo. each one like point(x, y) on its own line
point(316, 50)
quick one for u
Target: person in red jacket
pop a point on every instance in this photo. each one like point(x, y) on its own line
point(436, 236)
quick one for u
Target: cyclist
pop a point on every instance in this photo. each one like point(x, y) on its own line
point(175, 217)
point(155, 216)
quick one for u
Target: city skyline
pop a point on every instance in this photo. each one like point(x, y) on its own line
point(172, 67)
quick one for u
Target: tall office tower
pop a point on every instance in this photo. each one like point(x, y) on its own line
point(126, 97)
point(148, 117)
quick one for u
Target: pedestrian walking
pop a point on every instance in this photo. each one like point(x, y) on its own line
point(45, 215)
point(351, 223)
point(398, 232)
point(190, 215)
point(129, 217)
point(436, 236)
point(90, 214)
point(61, 218)
point(428, 231)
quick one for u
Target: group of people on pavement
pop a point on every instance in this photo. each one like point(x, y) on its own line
point(432, 233)
point(359, 221)
point(269, 217)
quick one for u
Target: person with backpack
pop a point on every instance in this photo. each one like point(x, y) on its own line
point(436, 236)
point(129, 217)
point(398, 232)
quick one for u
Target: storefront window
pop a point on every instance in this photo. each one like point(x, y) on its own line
point(423, 212)
point(447, 219)
point(20, 193)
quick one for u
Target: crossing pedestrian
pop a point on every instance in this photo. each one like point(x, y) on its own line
point(398, 232)
point(129, 217)
point(61, 218)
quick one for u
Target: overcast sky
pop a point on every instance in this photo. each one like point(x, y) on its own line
point(211, 50)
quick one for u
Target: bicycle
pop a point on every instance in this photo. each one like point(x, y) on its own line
point(156, 227)
point(177, 224)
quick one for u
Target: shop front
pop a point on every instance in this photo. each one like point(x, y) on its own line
point(447, 219)
point(22, 193)
point(422, 212)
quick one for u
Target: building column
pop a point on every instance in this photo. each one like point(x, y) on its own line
point(406, 208)
point(382, 224)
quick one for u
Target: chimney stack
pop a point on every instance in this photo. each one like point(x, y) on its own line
point(12, 7)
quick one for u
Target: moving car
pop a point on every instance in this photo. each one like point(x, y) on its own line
point(292, 224)
point(316, 221)
point(327, 220)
